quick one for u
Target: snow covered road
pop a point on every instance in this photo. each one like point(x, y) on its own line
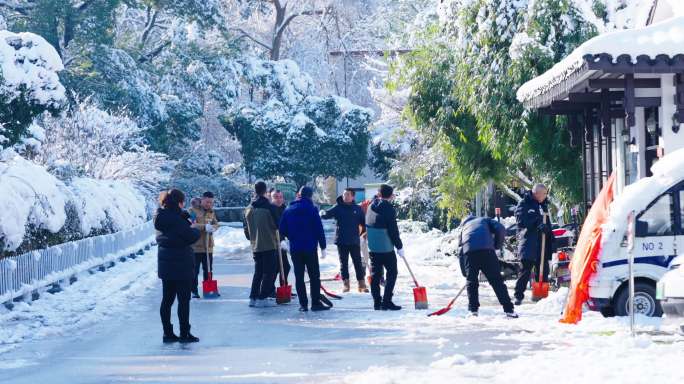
point(121, 341)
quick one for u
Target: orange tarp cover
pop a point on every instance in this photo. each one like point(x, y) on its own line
point(585, 259)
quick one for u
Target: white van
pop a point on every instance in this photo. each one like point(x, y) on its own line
point(658, 202)
point(670, 290)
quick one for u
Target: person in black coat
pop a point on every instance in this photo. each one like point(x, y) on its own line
point(528, 216)
point(176, 263)
point(350, 225)
point(479, 238)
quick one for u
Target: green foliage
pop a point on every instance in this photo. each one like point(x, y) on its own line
point(463, 94)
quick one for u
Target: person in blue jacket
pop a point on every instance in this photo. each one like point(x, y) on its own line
point(529, 218)
point(479, 238)
point(350, 225)
point(302, 226)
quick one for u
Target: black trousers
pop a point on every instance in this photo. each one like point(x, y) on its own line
point(355, 252)
point(487, 262)
point(526, 273)
point(201, 260)
point(379, 263)
point(265, 267)
point(308, 261)
point(172, 289)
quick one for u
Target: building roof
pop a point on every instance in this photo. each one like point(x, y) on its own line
point(660, 44)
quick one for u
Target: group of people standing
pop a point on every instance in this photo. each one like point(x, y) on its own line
point(274, 229)
point(185, 243)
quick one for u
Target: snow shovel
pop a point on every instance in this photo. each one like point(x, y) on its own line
point(330, 294)
point(419, 293)
point(284, 292)
point(451, 304)
point(540, 289)
point(209, 286)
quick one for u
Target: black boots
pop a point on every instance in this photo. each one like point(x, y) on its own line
point(188, 338)
point(169, 336)
point(390, 306)
point(316, 307)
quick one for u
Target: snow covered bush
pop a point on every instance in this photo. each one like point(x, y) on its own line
point(29, 84)
point(39, 210)
point(101, 145)
point(286, 130)
point(30, 196)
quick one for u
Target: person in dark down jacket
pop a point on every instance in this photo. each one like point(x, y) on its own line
point(350, 225)
point(278, 201)
point(528, 215)
point(302, 226)
point(479, 238)
point(383, 238)
point(176, 263)
point(260, 230)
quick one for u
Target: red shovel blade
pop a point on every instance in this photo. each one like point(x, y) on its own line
point(540, 290)
point(284, 294)
point(420, 297)
point(445, 309)
point(210, 288)
point(330, 294)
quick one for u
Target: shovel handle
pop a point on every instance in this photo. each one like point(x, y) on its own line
point(410, 271)
point(280, 259)
point(543, 251)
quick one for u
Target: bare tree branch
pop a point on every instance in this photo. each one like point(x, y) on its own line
point(154, 53)
point(244, 34)
point(151, 23)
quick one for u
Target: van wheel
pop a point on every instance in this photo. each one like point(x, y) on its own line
point(608, 311)
point(645, 302)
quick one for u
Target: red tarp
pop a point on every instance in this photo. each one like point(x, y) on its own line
point(585, 259)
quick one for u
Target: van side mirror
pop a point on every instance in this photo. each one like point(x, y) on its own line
point(641, 228)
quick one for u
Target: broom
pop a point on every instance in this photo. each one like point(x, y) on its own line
point(209, 286)
point(419, 293)
point(451, 304)
point(540, 289)
point(284, 292)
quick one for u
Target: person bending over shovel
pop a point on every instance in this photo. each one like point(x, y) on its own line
point(479, 238)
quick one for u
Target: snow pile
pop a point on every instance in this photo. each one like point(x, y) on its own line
point(107, 202)
point(665, 38)
point(29, 65)
point(89, 301)
point(33, 199)
point(30, 196)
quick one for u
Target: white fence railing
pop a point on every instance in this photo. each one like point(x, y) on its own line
point(26, 273)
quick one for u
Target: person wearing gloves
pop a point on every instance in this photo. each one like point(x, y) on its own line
point(260, 229)
point(528, 216)
point(350, 225)
point(278, 201)
point(383, 238)
point(175, 263)
point(479, 238)
point(203, 218)
point(302, 226)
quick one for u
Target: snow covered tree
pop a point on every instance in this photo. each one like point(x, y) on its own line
point(100, 145)
point(29, 84)
point(288, 131)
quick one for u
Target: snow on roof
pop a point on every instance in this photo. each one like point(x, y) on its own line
point(664, 38)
